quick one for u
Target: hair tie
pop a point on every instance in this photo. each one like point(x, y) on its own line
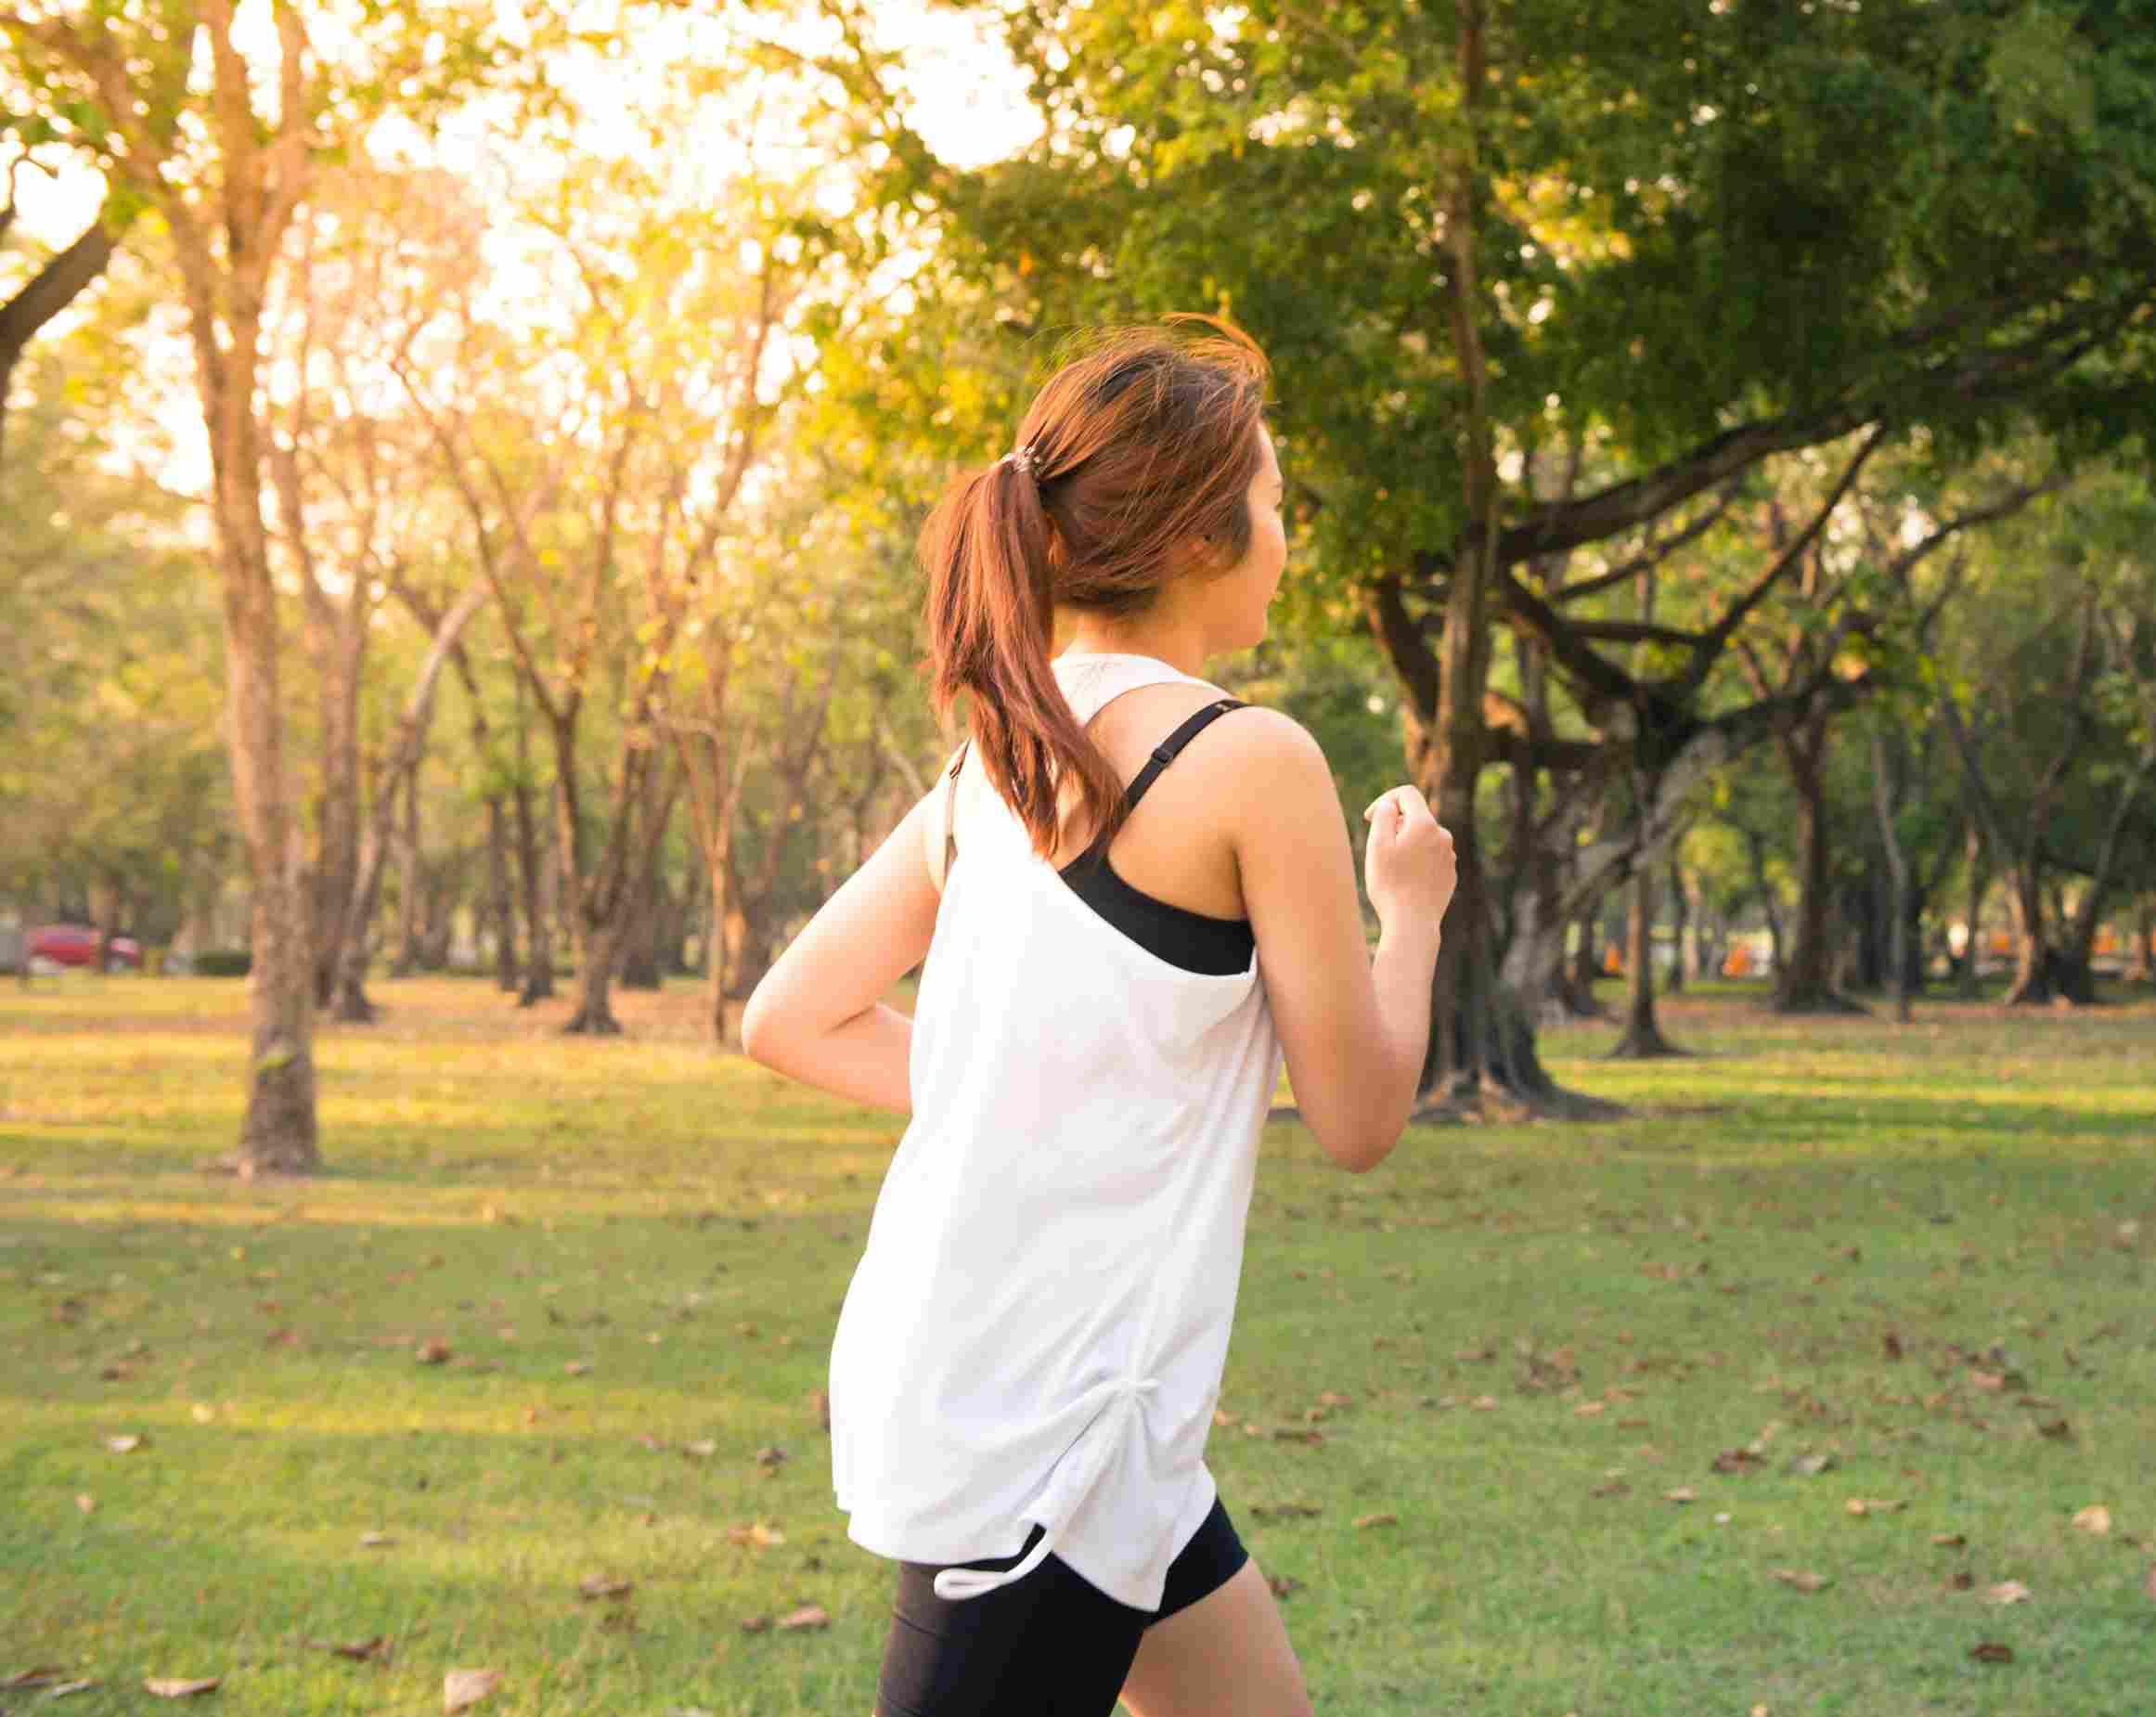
point(1022, 456)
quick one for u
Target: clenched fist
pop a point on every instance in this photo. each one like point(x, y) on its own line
point(1407, 867)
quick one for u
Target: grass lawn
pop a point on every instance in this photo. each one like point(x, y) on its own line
point(1531, 1420)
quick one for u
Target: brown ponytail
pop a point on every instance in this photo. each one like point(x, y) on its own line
point(1138, 449)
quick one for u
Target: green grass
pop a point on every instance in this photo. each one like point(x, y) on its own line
point(635, 1251)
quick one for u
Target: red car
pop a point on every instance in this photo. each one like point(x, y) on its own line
point(76, 945)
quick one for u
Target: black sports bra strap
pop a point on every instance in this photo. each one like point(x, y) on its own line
point(1165, 752)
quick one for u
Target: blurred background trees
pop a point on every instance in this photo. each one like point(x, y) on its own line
point(460, 489)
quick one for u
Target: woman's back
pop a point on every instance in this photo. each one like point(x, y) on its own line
point(1037, 1329)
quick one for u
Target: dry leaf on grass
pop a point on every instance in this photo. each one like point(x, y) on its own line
point(1682, 1493)
point(464, 1688)
point(771, 1457)
point(601, 1586)
point(2057, 1429)
point(85, 1502)
point(1950, 1541)
point(359, 1651)
point(43, 1675)
point(1283, 1585)
point(1332, 1398)
point(375, 1541)
point(2095, 1519)
point(808, 1616)
point(1297, 1434)
point(1811, 1465)
point(756, 1624)
point(127, 1444)
point(2008, 1591)
point(1992, 1651)
point(1283, 1511)
point(703, 1449)
point(180, 1687)
point(1802, 1579)
point(432, 1352)
point(60, 1690)
point(1860, 1506)
point(1369, 1520)
point(1483, 1403)
point(763, 1537)
point(1587, 1410)
point(576, 1368)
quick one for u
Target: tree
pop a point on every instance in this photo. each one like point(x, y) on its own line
point(225, 159)
point(1466, 235)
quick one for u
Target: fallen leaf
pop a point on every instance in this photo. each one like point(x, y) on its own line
point(172, 1687)
point(576, 1368)
point(127, 1444)
point(1483, 1403)
point(600, 1586)
point(1962, 1581)
point(1863, 1506)
point(2095, 1519)
point(808, 1616)
point(432, 1352)
point(1369, 1520)
point(375, 1541)
point(1950, 1541)
point(1891, 1343)
point(1295, 1434)
point(1802, 1579)
point(464, 1688)
point(771, 1457)
point(61, 1689)
point(1284, 1511)
point(1992, 1651)
point(756, 1624)
point(1283, 1585)
point(85, 1502)
point(763, 1537)
point(2008, 1591)
point(2057, 1429)
point(1332, 1398)
point(820, 1400)
point(43, 1675)
point(1734, 1461)
point(1811, 1465)
point(359, 1651)
point(1682, 1493)
point(703, 1449)
point(1587, 1410)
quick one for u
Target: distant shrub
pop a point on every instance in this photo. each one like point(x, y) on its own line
point(223, 963)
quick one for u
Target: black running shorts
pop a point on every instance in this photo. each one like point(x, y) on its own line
point(1051, 1645)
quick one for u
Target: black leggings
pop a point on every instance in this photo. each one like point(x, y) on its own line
point(1051, 1645)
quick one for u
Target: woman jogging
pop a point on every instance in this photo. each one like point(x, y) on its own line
point(1133, 896)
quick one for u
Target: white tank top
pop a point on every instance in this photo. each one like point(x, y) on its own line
point(1036, 1332)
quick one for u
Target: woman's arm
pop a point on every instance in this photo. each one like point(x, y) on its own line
point(818, 1016)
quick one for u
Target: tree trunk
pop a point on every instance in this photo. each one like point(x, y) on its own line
point(2142, 969)
point(1642, 1038)
point(405, 960)
point(1586, 966)
point(598, 948)
point(1687, 966)
point(279, 1132)
point(1802, 982)
point(1885, 791)
point(405, 748)
point(532, 870)
point(1980, 885)
point(502, 904)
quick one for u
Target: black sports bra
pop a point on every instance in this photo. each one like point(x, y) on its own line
point(1194, 941)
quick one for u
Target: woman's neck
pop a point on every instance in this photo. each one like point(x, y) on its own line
point(1181, 646)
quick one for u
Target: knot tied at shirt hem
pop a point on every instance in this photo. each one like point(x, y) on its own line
point(955, 1585)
